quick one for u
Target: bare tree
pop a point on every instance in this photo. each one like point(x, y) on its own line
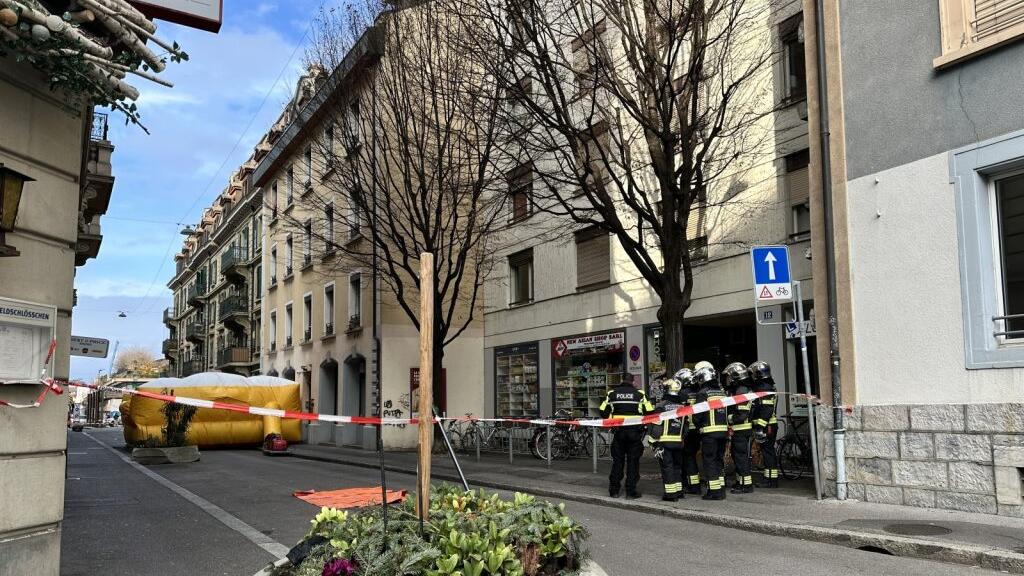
point(403, 161)
point(640, 119)
point(137, 361)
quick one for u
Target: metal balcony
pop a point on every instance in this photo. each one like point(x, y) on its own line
point(168, 316)
point(192, 366)
point(234, 309)
point(170, 346)
point(233, 356)
point(232, 262)
point(196, 293)
point(195, 330)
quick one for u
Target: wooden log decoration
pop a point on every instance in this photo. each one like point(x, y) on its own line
point(426, 424)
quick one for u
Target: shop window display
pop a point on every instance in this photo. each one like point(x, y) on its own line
point(518, 390)
point(585, 367)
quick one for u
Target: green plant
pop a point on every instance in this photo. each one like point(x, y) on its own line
point(177, 419)
point(468, 534)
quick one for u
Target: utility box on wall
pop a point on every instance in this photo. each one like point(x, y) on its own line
point(26, 331)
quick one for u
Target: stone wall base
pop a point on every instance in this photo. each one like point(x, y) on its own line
point(967, 457)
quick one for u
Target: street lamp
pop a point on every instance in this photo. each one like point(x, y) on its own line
point(11, 185)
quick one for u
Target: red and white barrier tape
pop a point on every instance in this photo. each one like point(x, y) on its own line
point(370, 420)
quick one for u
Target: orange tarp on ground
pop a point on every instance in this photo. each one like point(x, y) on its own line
point(349, 497)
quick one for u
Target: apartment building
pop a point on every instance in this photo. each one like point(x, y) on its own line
point(928, 148)
point(216, 318)
point(569, 311)
point(319, 299)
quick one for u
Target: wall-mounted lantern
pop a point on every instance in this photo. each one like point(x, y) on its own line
point(11, 185)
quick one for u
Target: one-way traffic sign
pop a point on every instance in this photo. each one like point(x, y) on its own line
point(770, 265)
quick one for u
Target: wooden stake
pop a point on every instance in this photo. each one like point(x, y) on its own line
point(426, 406)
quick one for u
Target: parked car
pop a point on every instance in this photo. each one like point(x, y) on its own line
point(112, 418)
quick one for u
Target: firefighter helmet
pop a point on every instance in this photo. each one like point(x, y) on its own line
point(734, 374)
point(760, 370)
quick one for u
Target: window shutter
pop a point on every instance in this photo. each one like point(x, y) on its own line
point(798, 185)
point(593, 260)
point(696, 222)
point(994, 16)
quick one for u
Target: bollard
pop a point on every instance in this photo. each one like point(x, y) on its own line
point(594, 448)
point(510, 445)
point(547, 439)
point(476, 435)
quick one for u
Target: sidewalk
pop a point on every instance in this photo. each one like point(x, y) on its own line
point(994, 542)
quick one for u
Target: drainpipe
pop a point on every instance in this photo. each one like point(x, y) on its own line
point(839, 431)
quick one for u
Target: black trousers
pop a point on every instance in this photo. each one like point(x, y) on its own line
point(691, 445)
point(672, 468)
point(627, 448)
point(771, 457)
point(741, 456)
point(712, 447)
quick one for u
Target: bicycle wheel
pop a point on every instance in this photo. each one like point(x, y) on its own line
point(561, 445)
point(603, 444)
point(540, 444)
point(538, 439)
point(791, 458)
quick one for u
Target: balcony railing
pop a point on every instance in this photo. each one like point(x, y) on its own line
point(287, 341)
point(329, 329)
point(195, 330)
point(233, 259)
point(354, 322)
point(196, 293)
point(170, 346)
point(234, 306)
point(307, 334)
point(273, 345)
point(192, 366)
point(168, 315)
point(233, 355)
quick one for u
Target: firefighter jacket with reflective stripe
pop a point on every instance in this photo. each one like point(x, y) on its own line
point(624, 400)
point(690, 394)
point(739, 414)
point(712, 421)
point(670, 431)
point(763, 409)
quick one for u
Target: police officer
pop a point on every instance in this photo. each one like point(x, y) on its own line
point(736, 380)
point(714, 432)
point(667, 439)
point(627, 442)
point(765, 423)
point(691, 436)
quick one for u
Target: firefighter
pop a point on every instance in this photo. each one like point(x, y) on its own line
point(714, 432)
point(765, 423)
point(691, 436)
point(736, 380)
point(667, 439)
point(627, 442)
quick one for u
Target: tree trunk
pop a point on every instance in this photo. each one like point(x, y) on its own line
point(670, 314)
point(438, 367)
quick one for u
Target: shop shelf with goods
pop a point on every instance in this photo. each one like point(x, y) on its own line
point(517, 385)
point(582, 389)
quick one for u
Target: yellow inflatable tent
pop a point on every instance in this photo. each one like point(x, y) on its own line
point(143, 417)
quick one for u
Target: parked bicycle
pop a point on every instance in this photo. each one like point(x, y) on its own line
point(568, 441)
point(794, 450)
point(473, 433)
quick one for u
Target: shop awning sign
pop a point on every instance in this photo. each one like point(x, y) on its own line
point(770, 265)
point(595, 342)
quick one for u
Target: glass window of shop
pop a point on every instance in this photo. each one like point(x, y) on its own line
point(517, 388)
point(729, 342)
point(585, 367)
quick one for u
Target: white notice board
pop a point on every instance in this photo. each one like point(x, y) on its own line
point(26, 330)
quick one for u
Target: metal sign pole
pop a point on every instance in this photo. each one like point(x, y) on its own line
point(799, 308)
point(594, 450)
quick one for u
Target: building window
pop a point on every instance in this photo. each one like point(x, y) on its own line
point(329, 309)
point(595, 149)
point(307, 317)
point(988, 180)
point(258, 288)
point(288, 253)
point(588, 53)
point(288, 323)
point(794, 70)
point(273, 265)
point(354, 121)
point(520, 191)
point(1010, 209)
point(329, 147)
point(289, 187)
point(273, 200)
point(593, 258)
point(273, 330)
point(329, 228)
point(307, 243)
point(798, 189)
point(520, 267)
point(516, 381)
point(355, 222)
point(355, 301)
point(971, 27)
point(307, 160)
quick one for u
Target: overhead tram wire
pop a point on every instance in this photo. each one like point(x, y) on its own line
point(227, 157)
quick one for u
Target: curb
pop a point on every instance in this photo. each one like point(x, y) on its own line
point(954, 553)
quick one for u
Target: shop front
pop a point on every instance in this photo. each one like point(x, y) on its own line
point(719, 341)
point(584, 368)
point(517, 387)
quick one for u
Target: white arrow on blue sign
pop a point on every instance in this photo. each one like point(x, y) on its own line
point(770, 265)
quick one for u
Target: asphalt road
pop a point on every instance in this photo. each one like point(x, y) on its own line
point(119, 521)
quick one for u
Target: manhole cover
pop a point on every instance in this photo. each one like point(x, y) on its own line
point(917, 529)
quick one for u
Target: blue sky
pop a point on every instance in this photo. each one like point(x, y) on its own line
point(242, 75)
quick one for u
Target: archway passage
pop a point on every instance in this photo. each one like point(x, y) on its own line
point(327, 391)
point(353, 398)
